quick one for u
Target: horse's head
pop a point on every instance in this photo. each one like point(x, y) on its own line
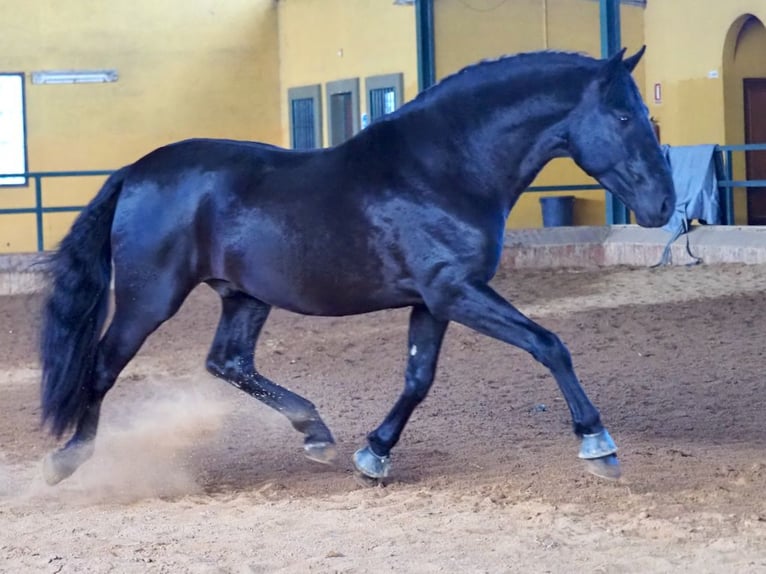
point(611, 138)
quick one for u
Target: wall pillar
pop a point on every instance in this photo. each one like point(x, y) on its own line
point(616, 212)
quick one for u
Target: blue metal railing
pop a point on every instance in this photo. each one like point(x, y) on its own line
point(724, 167)
point(579, 187)
point(39, 209)
point(724, 162)
point(724, 158)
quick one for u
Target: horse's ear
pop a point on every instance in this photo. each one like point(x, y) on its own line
point(632, 62)
point(612, 66)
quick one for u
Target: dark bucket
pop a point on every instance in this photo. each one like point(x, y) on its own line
point(557, 210)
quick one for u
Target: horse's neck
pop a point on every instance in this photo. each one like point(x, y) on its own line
point(505, 140)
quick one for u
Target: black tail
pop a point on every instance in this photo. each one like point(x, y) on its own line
point(76, 309)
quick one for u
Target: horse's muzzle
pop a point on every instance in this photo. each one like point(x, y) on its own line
point(658, 218)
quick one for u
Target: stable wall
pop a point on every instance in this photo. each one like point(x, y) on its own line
point(743, 58)
point(687, 58)
point(223, 70)
point(470, 30)
point(700, 65)
point(187, 69)
point(326, 40)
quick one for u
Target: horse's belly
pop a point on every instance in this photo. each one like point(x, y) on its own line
point(330, 298)
point(338, 307)
point(320, 284)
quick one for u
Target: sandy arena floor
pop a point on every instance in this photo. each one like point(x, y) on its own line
point(191, 475)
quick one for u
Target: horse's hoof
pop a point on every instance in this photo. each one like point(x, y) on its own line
point(57, 467)
point(605, 467)
point(598, 445)
point(322, 452)
point(62, 463)
point(367, 481)
point(370, 464)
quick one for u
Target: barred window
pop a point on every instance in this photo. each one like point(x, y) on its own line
point(305, 108)
point(384, 94)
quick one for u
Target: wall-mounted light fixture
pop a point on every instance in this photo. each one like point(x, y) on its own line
point(74, 77)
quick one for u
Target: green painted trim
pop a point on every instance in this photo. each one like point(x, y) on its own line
point(616, 212)
point(424, 23)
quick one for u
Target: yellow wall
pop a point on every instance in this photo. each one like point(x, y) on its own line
point(326, 40)
point(203, 68)
point(470, 30)
point(684, 57)
point(743, 58)
point(700, 76)
point(222, 69)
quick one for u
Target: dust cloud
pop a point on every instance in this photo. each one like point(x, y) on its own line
point(145, 449)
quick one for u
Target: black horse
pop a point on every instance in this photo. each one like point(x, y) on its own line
point(408, 213)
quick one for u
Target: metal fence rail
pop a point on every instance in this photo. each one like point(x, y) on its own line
point(724, 156)
point(39, 209)
point(725, 173)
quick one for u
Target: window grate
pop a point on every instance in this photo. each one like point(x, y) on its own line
point(304, 136)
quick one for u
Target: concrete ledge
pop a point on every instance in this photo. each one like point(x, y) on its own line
point(552, 247)
point(631, 245)
point(555, 247)
point(21, 273)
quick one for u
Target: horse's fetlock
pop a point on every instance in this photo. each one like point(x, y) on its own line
point(588, 424)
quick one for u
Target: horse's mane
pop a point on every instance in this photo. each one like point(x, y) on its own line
point(518, 65)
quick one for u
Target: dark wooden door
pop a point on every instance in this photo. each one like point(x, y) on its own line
point(341, 117)
point(755, 132)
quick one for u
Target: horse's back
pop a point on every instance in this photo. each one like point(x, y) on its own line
point(278, 224)
point(170, 194)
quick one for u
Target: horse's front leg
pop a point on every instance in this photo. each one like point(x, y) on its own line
point(425, 338)
point(482, 309)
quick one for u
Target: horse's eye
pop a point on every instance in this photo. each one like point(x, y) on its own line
point(623, 118)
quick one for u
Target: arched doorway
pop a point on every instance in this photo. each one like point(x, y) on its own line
point(744, 70)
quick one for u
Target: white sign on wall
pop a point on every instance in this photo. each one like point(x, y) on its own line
point(13, 145)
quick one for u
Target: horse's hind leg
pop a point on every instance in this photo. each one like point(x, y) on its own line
point(482, 309)
point(136, 316)
point(231, 358)
point(425, 338)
